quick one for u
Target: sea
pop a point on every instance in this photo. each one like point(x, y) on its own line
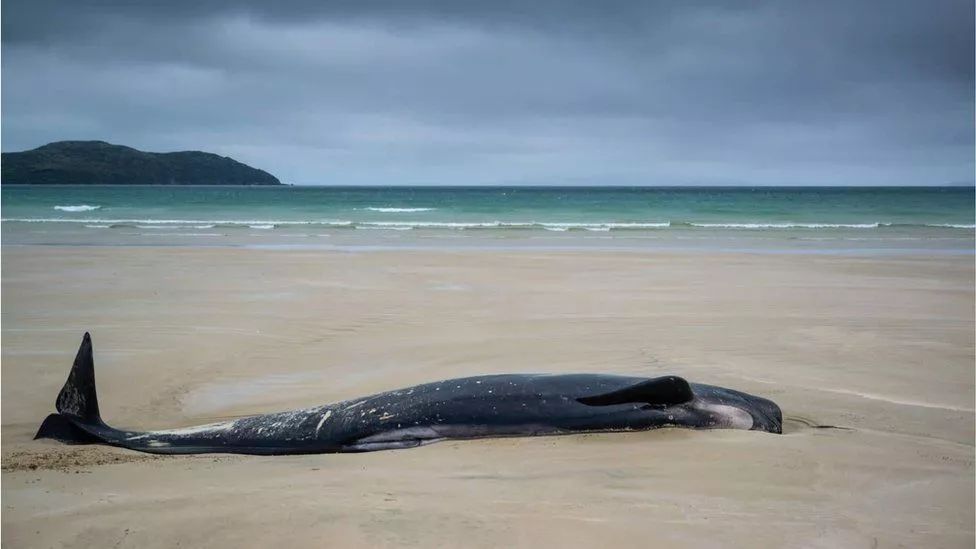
point(758, 219)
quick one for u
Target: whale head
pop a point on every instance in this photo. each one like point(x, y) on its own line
point(672, 401)
point(726, 408)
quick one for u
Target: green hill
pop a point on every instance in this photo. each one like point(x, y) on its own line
point(97, 162)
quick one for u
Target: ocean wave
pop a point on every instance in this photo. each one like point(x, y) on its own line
point(77, 208)
point(180, 234)
point(953, 226)
point(268, 224)
point(605, 226)
point(397, 210)
point(785, 225)
point(430, 224)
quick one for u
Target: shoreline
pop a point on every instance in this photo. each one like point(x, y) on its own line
point(377, 248)
point(882, 241)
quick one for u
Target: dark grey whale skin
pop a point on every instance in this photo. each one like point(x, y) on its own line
point(466, 408)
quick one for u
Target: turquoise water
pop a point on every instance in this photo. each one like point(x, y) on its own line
point(101, 214)
point(614, 208)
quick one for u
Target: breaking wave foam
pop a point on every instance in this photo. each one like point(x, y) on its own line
point(787, 225)
point(267, 224)
point(77, 208)
point(397, 210)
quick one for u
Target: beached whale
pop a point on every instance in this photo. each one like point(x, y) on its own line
point(466, 408)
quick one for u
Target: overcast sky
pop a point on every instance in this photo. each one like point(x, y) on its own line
point(496, 92)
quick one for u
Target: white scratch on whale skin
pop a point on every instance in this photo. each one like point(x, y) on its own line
point(325, 416)
point(188, 430)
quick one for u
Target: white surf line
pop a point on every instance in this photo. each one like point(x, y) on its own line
point(869, 396)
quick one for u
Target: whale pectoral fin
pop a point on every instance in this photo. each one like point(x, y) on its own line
point(660, 391)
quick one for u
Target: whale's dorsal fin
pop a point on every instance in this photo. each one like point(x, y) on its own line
point(660, 391)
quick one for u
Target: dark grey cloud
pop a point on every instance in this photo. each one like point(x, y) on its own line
point(508, 92)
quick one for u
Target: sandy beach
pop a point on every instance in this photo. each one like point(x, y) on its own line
point(880, 346)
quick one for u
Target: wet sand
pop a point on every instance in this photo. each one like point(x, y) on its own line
point(881, 346)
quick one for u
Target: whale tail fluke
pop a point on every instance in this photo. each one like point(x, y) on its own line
point(61, 428)
point(77, 402)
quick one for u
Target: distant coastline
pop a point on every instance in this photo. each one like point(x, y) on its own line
point(101, 163)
